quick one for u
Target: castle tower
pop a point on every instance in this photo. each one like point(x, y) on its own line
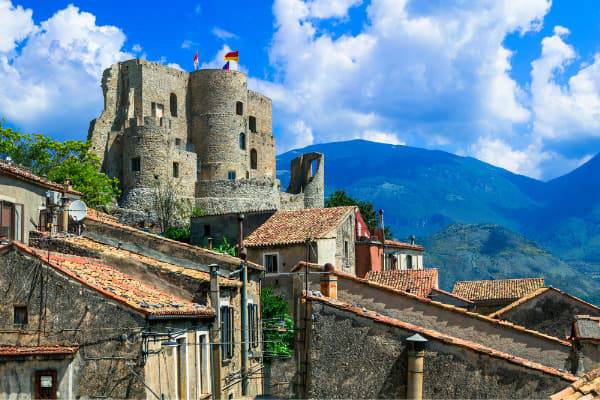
point(203, 131)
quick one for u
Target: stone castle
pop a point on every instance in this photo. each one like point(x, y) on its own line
point(205, 131)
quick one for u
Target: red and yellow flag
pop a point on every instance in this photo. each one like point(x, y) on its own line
point(232, 56)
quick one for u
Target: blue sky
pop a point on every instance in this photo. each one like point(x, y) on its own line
point(514, 83)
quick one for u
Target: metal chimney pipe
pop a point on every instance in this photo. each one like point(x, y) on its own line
point(416, 355)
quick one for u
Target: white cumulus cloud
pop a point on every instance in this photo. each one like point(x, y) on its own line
point(52, 83)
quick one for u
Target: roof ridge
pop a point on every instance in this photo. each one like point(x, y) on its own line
point(449, 307)
point(534, 294)
point(72, 275)
point(207, 252)
point(444, 337)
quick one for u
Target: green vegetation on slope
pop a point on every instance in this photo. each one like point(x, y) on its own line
point(485, 251)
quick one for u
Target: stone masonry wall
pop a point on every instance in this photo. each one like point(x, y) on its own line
point(62, 311)
point(551, 312)
point(351, 356)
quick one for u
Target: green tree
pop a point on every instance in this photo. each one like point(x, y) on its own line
point(278, 326)
point(366, 208)
point(60, 161)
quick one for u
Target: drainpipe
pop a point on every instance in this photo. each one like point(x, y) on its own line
point(215, 332)
point(244, 298)
point(416, 355)
point(382, 230)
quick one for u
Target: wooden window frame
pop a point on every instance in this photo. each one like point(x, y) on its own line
point(38, 383)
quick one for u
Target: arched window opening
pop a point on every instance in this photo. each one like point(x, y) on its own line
point(173, 103)
point(239, 108)
point(253, 159)
point(242, 141)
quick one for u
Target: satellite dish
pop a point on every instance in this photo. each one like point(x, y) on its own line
point(77, 210)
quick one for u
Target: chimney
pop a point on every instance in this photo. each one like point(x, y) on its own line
point(209, 243)
point(416, 355)
point(329, 282)
point(413, 239)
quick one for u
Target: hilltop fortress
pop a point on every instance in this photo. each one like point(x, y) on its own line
point(205, 131)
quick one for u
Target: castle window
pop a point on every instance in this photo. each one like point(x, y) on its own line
point(231, 175)
point(158, 110)
point(239, 108)
point(173, 104)
point(177, 142)
point(253, 159)
point(242, 141)
point(252, 124)
point(20, 315)
point(135, 164)
point(175, 170)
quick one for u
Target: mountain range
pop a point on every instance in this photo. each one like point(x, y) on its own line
point(423, 192)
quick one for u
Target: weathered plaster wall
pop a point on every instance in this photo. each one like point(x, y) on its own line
point(33, 198)
point(62, 311)
point(454, 323)
point(352, 356)
point(225, 196)
point(551, 312)
point(288, 256)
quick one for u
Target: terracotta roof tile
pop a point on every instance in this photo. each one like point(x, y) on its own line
point(448, 307)
point(404, 245)
point(17, 351)
point(528, 297)
point(586, 388)
point(112, 283)
point(416, 281)
point(106, 219)
point(435, 335)
point(89, 244)
point(24, 174)
point(497, 289)
point(293, 227)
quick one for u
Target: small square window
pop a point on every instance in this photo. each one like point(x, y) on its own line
point(231, 175)
point(20, 315)
point(135, 164)
point(175, 170)
point(177, 142)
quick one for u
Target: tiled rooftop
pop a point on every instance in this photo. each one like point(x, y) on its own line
point(138, 295)
point(586, 388)
point(435, 335)
point(164, 267)
point(16, 351)
point(294, 227)
point(404, 245)
point(451, 308)
point(498, 289)
point(24, 174)
point(538, 292)
point(586, 327)
point(416, 281)
point(109, 220)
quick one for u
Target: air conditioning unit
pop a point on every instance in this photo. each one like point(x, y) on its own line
point(53, 197)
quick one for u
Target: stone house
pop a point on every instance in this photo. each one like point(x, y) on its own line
point(380, 361)
point(214, 348)
point(114, 325)
point(29, 202)
point(317, 235)
point(585, 336)
point(547, 310)
point(491, 295)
